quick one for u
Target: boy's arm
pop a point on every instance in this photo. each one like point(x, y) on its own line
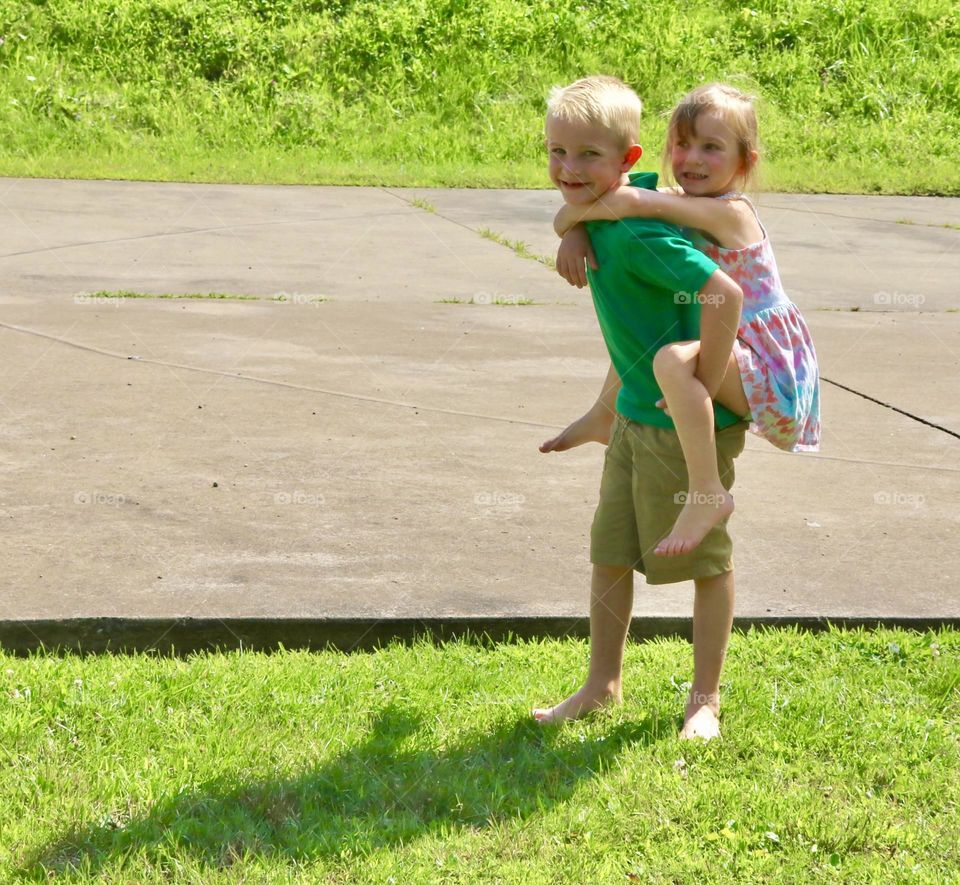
point(714, 217)
point(721, 301)
point(574, 254)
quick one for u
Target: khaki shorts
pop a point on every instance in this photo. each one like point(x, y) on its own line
point(641, 495)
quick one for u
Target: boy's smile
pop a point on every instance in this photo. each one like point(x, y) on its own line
point(586, 161)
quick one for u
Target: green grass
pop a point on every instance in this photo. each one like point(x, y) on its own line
point(928, 223)
point(420, 764)
point(510, 301)
point(518, 246)
point(858, 95)
point(124, 294)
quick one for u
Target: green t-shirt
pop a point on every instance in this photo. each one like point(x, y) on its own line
point(644, 294)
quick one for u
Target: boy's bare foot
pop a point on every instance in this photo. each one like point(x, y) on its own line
point(579, 704)
point(701, 512)
point(702, 717)
point(594, 426)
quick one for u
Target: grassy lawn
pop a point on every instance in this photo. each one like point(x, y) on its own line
point(857, 95)
point(420, 764)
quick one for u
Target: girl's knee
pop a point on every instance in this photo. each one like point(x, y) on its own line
point(668, 360)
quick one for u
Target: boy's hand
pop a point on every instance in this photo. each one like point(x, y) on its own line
point(574, 253)
point(662, 404)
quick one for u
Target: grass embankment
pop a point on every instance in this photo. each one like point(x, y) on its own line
point(421, 764)
point(860, 95)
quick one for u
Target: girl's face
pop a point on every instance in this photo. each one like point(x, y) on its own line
point(706, 161)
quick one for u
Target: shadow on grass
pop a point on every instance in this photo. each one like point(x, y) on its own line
point(374, 795)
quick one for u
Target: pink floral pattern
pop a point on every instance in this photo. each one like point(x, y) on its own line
point(778, 363)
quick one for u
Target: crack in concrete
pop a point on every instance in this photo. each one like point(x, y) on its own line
point(457, 412)
point(892, 408)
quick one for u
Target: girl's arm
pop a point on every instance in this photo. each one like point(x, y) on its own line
point(715, 217)
point(621, 202)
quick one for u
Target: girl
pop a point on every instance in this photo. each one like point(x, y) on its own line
point(772, 377)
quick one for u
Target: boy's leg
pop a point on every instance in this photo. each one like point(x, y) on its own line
point(712, 623)
point(707, 501)
point(611, 604)
point(595, 425)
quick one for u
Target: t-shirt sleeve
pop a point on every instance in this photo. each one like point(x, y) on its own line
point(664, 258)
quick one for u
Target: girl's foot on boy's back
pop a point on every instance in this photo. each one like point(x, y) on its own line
point(594, 426)
point(701, 512)
point(578, 704)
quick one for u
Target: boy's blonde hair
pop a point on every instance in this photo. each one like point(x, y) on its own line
point(599, 101)
point(736, 110)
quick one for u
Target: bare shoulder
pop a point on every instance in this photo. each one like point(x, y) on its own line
point(741, 226)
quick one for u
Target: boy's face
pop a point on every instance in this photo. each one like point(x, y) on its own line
point(585, 161)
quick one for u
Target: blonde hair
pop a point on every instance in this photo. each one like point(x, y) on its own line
point(601, 101)
point(735, 108)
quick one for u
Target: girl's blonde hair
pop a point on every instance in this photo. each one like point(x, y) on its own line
point(599, 101)
point(735, 108)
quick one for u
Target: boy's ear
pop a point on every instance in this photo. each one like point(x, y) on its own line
point(634, 152)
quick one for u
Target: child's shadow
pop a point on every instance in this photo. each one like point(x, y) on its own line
point(372, 795)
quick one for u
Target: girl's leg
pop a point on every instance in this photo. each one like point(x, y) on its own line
point(712, 622)
point(611, 603)
point(707, 502)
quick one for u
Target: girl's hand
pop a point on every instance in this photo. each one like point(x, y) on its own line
point(574, 253)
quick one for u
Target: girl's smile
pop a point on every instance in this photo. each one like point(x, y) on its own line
point(706, 160)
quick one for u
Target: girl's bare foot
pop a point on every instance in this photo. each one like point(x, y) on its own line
point(701, 512)
point(702, 717)
point(594, 426)
point(579, 704)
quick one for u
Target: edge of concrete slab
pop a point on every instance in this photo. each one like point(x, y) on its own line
point(181, 636)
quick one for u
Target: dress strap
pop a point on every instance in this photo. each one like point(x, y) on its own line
point(738, 195)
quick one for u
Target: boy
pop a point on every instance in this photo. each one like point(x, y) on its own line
point(643, 294)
